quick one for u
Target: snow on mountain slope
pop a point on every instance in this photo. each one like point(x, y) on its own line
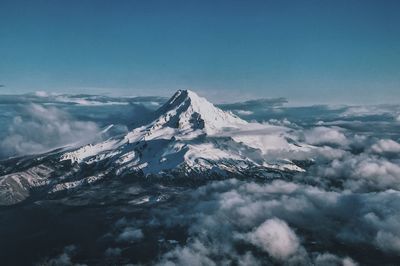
point(187, 111)
point(15, 187)
point(189, 135)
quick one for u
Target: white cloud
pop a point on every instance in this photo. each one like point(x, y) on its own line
point(130, 234)
point(244, 112)
point(284, 122)
point(41, 94)
point(248, 259)
point(195, 253)
point(388, 241)
point(325, 135)
point(362, 172)
point(41, 129)
point(372, 110)
point(259, 214)
point(364, 111)
point(386, 146)
point(275, 237)
point(328, 259)
point(64, 259)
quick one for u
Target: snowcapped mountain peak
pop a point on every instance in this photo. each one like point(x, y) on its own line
point(190, 136)
point(185, 110)
point(181, 95)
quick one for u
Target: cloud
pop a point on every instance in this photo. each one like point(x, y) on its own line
point(43, 97)
point(370, 110)
point(39, 129)
point(64, 259)
point(275, 237)
point(384, 110)
point(325, 135)
point(388, 241)
point(327, 259)
point(261, 109)
point(277, 219)
point(264, 215)
point(41, 94)
point(364, 111)
point(362, 172)
point(196, 254)
point(252, 105)
point(130, 234)
point(129, 112)
point(244, 112)
point(284, 122)
point(386, 146)
point(112, 252)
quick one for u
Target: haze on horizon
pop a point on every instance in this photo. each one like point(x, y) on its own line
point(307, 51)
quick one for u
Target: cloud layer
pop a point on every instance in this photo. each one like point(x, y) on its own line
point(39, 129)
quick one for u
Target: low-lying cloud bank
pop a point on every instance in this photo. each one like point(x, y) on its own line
point(325, 135)
point(280, 222)
point(42, 97)
point(39, 129)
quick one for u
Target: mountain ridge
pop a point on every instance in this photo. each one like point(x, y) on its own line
point(189, 137)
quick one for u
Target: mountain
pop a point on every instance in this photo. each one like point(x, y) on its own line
point(188, 138)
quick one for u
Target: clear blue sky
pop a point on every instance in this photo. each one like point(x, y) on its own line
point(308, 51)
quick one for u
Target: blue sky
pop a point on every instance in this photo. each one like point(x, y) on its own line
point(319, 51)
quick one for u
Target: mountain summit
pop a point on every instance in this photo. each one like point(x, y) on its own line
point(187, 111)
point(189, 137)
